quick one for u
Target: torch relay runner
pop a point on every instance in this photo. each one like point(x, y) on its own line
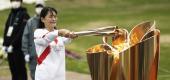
point(50, 46)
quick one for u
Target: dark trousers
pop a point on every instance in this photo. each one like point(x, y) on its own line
point(17, 65)
point(32, 66)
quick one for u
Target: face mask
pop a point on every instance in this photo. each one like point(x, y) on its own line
point(38, 10)
point(15, 4)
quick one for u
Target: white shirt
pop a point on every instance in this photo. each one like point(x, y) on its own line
point(53, 66)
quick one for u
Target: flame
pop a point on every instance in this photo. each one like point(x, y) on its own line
point(134, 39)
point(119, 43)
point(98, 48)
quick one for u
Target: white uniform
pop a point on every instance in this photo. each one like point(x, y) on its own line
point(51, 65)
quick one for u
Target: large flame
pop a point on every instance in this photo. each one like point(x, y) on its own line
point(98, 48)
point(119, 43)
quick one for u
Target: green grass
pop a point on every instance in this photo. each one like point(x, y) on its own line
point(80, 15)
point(80, 66)
point(164, 70)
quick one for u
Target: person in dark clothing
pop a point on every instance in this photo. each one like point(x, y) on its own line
point(13, 32)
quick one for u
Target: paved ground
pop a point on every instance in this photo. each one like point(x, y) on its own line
point(77, 76)
point(69, 75)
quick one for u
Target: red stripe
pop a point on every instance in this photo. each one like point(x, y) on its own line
point(45, 52)
point(56, 40)
point(43, 55)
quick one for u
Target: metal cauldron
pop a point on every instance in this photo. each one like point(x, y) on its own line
point(139, 61)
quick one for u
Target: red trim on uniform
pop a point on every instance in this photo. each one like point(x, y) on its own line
point(45, 53)
point(42, 57)
point(56, 40)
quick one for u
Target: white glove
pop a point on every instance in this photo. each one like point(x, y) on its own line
point(10, 49)
point(27, 57)
point(4, 49)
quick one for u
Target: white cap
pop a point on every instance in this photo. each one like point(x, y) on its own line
point(40, 2)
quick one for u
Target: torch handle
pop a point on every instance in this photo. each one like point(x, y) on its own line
point(98, 32)
point(108, 28)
